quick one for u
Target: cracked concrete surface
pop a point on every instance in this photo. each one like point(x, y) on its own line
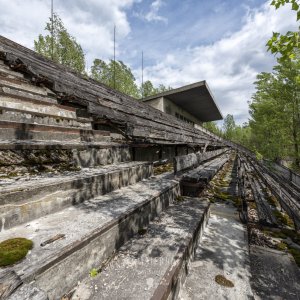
point(222, 251)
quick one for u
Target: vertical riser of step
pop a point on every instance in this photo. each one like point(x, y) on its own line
point(58, 197)
point(182, 271)
point(58, 279)
point(20, 134)
point(97, 157)
point(31, 118)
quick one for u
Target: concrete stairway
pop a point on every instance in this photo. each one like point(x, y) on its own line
point(71, 240)
point(28, 198)
point(78, 194)
point(91, 232)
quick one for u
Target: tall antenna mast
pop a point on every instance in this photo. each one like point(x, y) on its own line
point(52, 31)
point(142, 74)
point(114, 56)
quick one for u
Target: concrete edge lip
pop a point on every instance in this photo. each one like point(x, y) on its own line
point(169, 283)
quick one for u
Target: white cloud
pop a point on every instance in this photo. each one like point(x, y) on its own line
point(229, 65)
point(90, 22)
point(153, 14)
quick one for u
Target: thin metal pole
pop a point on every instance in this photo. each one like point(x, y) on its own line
point(142, 74)
point(52, 31)
point(114, 56)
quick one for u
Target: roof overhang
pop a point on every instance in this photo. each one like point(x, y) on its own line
point(195, 98)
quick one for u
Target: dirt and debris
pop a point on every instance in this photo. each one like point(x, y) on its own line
point(163, 169)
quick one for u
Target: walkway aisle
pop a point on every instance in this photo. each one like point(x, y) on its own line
point(223, 250)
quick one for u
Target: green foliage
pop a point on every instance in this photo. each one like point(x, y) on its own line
point(162, 88)
point(213, 127)
point(124, 79)
point(286, 44)
point(66, 50)
point(147, 89)
point(275, 112)
point(229, 127)
point(14, 250)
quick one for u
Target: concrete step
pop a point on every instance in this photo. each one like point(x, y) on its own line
point(24, 95)
point(35, 106)
point(195, 180)
point(29, 131)
point(153, 265)
point(24, 85)
point(92, 232)
point(8, 72)
point(29, 198)
point(12, 115)
point(223, 251)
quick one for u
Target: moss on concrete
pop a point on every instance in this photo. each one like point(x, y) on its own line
point(163, 169)
point(222, 280)
point(272, 201)
point(296, 255)
point(14, 250)
point(283, 218)
point(281, 246)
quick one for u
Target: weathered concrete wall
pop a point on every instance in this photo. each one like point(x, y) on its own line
point(31, 161)
point(157, 103)
point(171, 109)
point(96, 157)
point(27, 201)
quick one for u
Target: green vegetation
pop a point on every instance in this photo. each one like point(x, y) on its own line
point(222, 280)
point(273, 131)
point(275, 112)
point(62, 47)
point(93, 272)
point(124, 79)
point(296, 255)
point(286, 44)
point(281, 246)
point(272, 201)
point(179, 199)
point(163, 169)
point(283, 218)
point(14, 250)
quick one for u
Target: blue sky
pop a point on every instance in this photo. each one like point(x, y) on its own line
point(183, 41)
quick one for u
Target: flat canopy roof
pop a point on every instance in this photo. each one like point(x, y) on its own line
point(194, 98)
